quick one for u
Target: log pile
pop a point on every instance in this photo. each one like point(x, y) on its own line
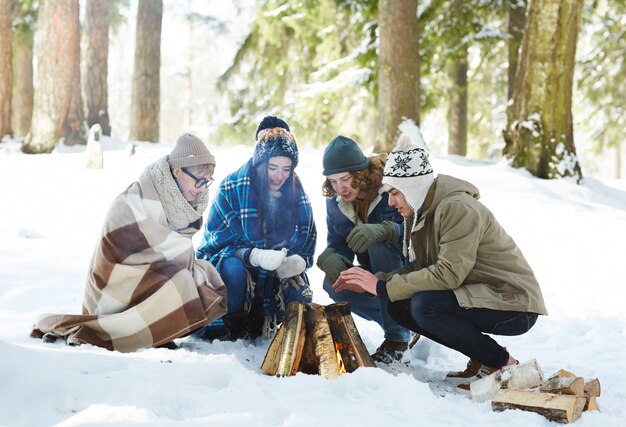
point(562, 397)
point(316, 340)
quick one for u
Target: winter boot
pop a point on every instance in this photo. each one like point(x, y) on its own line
point(469, 374)
point(390, 351)
point(236, 325)
point(255, 318)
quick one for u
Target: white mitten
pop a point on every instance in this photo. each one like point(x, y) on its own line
point(268, 259)
point(291, 266)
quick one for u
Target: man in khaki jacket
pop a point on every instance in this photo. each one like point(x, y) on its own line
point(466, 276)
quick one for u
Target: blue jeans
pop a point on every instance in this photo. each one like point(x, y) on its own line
point(233, 273)
point(382, 258)
point(438, 316)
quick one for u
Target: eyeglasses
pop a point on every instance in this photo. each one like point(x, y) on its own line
point(200, 182)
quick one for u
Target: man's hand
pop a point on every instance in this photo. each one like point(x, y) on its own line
point(332, 263)
point(365, 235)
point(356, 279)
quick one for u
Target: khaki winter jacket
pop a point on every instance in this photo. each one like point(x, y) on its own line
point(460, 246)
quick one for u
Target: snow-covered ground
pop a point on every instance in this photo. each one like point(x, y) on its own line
point(51, 212)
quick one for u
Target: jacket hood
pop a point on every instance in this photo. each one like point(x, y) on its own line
point(447, 185)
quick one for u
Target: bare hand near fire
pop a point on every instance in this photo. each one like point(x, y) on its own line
point(356, 279)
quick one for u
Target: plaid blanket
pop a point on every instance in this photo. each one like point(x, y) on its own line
point(145, 285)
point(234, 222)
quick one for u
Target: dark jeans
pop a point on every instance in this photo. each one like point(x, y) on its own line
point(438, 316)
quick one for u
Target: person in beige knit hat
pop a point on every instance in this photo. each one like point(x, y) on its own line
point(145, 286)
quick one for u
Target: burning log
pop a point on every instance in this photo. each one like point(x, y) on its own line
point(317, 340)
point(324, 344)
point(356, 350)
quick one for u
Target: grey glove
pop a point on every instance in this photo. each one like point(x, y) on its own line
point(333, 263)
point(365, 235)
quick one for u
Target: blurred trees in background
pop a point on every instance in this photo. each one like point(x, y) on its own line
point(74, 127)
point(146, 99)
point(6, 71)
point(398, 71)
point(540, 134)
point(57, 58)
point(98, 18)
point(332, 66)
point(24, 19)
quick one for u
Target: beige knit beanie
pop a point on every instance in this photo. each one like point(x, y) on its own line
point(190, 151)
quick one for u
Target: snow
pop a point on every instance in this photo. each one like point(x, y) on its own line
point(52, 211)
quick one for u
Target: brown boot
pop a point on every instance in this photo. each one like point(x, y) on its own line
point(390, 351)
point(469, 374)
point(482, 373)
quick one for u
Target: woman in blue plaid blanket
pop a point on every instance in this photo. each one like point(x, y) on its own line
point(260, 235)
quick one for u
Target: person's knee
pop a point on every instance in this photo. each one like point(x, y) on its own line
point(327, 286)
point(384, 257)
point(232, 269)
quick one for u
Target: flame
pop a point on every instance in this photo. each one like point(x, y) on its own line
point(342, 368)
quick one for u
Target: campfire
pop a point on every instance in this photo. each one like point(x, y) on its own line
point(316, 340)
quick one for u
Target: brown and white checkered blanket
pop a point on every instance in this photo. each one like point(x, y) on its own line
point(145, 286)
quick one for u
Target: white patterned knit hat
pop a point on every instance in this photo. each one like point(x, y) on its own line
point(408, 170)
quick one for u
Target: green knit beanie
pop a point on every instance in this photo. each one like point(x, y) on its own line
point(343, 155)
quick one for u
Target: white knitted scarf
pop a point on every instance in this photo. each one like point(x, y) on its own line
point(179, 212)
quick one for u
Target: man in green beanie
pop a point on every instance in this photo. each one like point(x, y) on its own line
point(361, 225)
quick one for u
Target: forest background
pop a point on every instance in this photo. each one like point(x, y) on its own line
point(354, 67)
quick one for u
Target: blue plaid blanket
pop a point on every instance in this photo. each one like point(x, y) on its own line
point(234, 222)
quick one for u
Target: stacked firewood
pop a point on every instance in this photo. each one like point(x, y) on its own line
point(316, 340)
point(562, 397)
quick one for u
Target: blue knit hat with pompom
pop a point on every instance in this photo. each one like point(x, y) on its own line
point(274, 140)
point(270, 122)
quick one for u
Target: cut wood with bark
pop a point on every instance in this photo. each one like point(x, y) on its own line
point(592, 388)
point(293, 340)
point(521, 376)
point(316, 340)
point(270, 362)
point(347, 338)
point(563, 385)
point(324, 344)
point(555, 407)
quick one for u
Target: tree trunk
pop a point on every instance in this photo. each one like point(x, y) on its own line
point(56, 61)
point(398, 79)
point(517, 20)
point(23, 92)
point(97, 64)
point(6, 78)
point(457, 110)
point(74, 127)
point(145, 102)
point(539, 135)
